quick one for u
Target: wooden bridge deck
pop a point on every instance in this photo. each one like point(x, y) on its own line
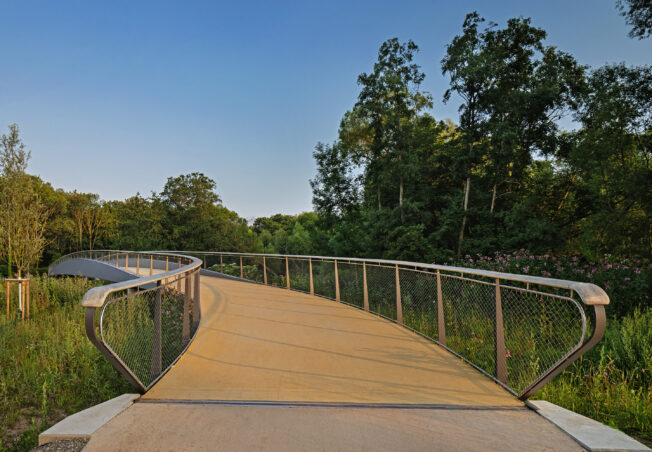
point(259, 343)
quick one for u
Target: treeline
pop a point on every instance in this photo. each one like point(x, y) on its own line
point(39, 223)
point(187, 215)
point(398, 183)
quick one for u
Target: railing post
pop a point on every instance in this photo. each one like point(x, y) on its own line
point(8, 295)
point(185, 330)
point(337, 283)
point(26, 290)
point(264, 271)
point(221, 265)
point(151, 265)
point(127, 262)
point(365, 292)
point(167, 262)
point(399, 305)
point(138, 264)
point(499, 344)
point(312, 282)
point(441, 323)
point(156, 366)
point(196, 308)
point(241, 272)
point(287, 272)
point(117, 262)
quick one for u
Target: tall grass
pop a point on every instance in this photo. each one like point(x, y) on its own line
point(48, 368)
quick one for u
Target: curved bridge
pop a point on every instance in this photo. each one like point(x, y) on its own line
point(442, 337)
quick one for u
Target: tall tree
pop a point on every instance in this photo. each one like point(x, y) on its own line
point(389, 103)
point(466, 65)
point(23, 216)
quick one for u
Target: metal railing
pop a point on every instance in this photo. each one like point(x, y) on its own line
point(142, 325)
point(519, 330)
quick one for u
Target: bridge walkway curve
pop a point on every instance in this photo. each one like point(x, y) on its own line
point(260, 343)
point(309, 373)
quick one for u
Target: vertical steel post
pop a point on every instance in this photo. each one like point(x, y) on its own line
point(364, 289)
point(221, 265)
point(499, 344)
point(441, 324)
point(264, 271)
point(179, 263)
point(127, 262)
point(337, 283)
point(151, 265)
point(312, 282)
point(8, 295)
point(167, 263)
point(156, 366)
point(138, 264)
point(287, 272)
point(117, 262)
point(185, 330)
point(399, 305)
point(196, 308)
point(241, 272)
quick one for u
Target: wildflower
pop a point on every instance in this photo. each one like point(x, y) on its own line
point(508, 354)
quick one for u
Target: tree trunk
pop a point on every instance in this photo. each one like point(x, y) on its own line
point(400, 198)
point(493, 199)
point(379, 204)
point(466, 207)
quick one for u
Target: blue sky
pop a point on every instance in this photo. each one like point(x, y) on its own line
point(114, 97)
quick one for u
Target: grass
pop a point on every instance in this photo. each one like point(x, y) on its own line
point(613, 382)
point(48, 368)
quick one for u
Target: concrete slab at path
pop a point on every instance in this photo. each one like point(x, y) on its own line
point(178, 427)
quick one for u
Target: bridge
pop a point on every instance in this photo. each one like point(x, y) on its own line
point(263, 351)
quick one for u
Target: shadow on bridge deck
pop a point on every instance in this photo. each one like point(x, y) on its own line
point(259, 343)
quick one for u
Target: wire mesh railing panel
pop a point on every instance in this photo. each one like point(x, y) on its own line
point(299, 274)
point(540, 329)
point(276, 271)
point(419, 301)
point(381, 286)
point(149, 329)
point(228, 264)
point(469, 313)
point(323, 273)
point(351, 279)
point(252, 268)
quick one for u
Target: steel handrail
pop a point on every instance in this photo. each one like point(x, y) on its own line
point(98, 298)
point(590, 295)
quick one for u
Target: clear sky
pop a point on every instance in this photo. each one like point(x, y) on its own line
point(114, 97)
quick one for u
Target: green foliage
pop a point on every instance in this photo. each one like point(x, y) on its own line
point(48, 368)
point(639, 15)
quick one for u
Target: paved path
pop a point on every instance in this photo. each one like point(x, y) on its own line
point(265, 344)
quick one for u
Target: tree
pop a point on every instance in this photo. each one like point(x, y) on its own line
point(389, 103)
point(23, 216)
point(639, 15)
point(465, 63)
point(335, 189)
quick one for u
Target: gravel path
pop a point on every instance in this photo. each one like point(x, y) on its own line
point(68, 445)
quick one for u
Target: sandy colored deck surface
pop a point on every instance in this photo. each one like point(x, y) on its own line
point(258, 343)
point(177, 427)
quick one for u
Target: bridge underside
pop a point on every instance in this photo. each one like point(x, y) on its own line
point(265, 344)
